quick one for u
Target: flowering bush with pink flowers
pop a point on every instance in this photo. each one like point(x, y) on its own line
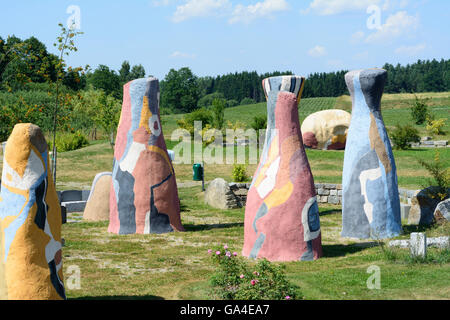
point(238, 278)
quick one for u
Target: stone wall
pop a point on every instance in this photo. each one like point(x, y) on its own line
point(426, 142)
point(326, 192)
point(329, 193)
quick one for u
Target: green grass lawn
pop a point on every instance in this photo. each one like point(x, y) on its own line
point(396, 108)
point(177, 265)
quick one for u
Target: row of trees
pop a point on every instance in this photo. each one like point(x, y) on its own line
point(23, 61)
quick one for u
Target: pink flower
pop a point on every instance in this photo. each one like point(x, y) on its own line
point(256, 273)
point(209, 251)
point(218, 252)
point(288, 298)
point(242, 276)
point(225, 247)
point(253, 282)
point(228, 254)
point(235, 254)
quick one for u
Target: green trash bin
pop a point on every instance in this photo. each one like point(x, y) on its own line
point(197, 172)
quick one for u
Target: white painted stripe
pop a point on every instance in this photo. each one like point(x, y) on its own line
point(286, 83)
point(297, 85)
point(147, 223)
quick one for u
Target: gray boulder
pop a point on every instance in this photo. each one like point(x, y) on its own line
point(219, 195)
point(423, 204)
point(442, 211)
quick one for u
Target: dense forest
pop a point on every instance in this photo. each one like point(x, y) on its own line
point(422, 76)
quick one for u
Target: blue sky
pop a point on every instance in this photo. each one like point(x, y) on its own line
point(215, 37)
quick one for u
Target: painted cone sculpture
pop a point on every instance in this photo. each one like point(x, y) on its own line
point(370, 202)
point(281, 214)
point(30, 219)
point(144, 195)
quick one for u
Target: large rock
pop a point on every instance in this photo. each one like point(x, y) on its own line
point(281, 214)
point(326, 129)
point(423, 204)
point(442, 211)
point(144, 195)
point(371, 201)
point(219, 195)
point(30, 219)
point(97, 205)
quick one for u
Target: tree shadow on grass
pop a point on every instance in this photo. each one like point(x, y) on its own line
point(109, 298)
point(341, 250)
point(331, 211)
point(202, 227)
point(408, 229)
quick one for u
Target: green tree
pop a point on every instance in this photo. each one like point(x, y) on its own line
point(105, 79)
point(128, 73)
point(179, 91)
point(137, 72)
point(218, 107)
point(124, 72)
point(107, 114)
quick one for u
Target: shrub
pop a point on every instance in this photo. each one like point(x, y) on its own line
point(232, 103)
point(207, 100)
point(239, 173)
point(419, 110)
point(68, 141)
point(236, 125)
point(434, 127)
point(246, 101)
point(403, 136)
point(235, 279)
point(204, 115)
point(440, 176)
point(259, 122)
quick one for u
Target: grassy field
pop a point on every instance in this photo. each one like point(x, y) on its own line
point(396, 108)
point(77, 169)
point(177, 265)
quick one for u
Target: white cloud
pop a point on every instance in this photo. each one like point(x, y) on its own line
point(317, 51)
point(396, 25)
point(411, 50)
point(262, 9)
point(200, 8)
point(330, 7)
point(178, 54)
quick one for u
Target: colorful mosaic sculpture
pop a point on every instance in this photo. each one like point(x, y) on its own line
point(144, 195)
point(30, 219)
point(370, 202)
point(281, 214)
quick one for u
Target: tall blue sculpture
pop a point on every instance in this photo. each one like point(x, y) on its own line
point(370, 201)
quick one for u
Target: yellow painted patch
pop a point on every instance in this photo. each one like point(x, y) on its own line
point(18, 148)
point(146, 114)
point(279, 196)
point(8, 176)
